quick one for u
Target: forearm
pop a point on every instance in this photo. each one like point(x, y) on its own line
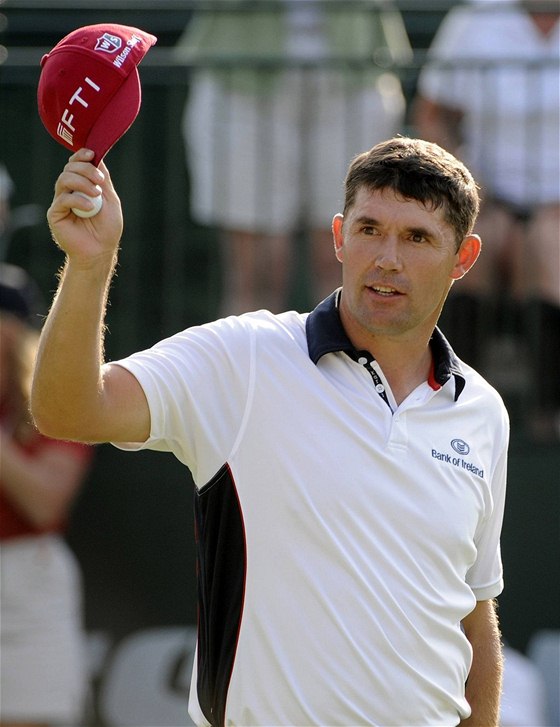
point(484, 685)
point(67, 385)
point(73, 395)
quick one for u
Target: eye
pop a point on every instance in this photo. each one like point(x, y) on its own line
point(368, 230)
point(417, 237)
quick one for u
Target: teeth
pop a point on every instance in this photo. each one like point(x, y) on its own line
point(385, 291)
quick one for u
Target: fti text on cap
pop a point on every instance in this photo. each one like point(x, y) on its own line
point(89, 90)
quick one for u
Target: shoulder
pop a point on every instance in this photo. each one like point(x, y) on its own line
point(233, 339)
point(261, 324)
point(480, 386)
point(265, 322)
point(481, 395)
point(276, 334)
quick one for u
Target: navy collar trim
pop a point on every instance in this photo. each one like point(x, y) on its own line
point(325, 334)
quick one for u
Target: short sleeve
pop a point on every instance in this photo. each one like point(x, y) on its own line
point(196, 384)
point(485, 576)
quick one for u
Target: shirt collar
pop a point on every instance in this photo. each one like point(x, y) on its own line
point(325, 334)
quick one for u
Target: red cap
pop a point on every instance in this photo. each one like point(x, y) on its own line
point(89, 90)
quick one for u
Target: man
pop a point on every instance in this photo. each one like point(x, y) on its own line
point(350, 470)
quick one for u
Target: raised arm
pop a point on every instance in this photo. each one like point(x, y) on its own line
point(74, 394)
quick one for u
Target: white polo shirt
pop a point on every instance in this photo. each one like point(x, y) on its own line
point(339, 543)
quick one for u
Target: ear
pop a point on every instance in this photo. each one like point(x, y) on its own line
point(338, 237)
point(467, 255)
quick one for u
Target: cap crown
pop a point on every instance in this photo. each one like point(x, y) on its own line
point(89, 91)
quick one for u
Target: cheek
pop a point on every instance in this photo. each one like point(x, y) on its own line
point(441, 283)
point(439, 265)
point(356, 254)
point(434, 279)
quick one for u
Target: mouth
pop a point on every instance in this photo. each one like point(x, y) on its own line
point(385, 291)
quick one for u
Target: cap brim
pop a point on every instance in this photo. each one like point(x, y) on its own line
point(116, 118)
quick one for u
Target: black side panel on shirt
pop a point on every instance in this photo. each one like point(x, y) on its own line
point(221, 568)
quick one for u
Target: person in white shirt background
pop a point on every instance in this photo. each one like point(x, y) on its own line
point(490, 93)
point(267, 145)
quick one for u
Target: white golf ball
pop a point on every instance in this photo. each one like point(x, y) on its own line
point(97, 204)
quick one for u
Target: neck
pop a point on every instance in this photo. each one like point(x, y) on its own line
point(404, 355)
point(405, 367)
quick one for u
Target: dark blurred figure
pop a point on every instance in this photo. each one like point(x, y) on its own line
point(6, 189)
point(43, 676)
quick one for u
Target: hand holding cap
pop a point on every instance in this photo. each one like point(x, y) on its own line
point(89, 91)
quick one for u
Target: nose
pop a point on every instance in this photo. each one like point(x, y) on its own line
point(388, 257)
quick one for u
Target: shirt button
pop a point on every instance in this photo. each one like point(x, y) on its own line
point(362, 360)
point(379, 388)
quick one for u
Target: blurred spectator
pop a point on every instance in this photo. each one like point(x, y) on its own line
point(12, 220)
point(267, 143)
point(490, 93)
point(6, 188)
point(42, 672)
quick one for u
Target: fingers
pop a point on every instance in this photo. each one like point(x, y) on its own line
point(108, 189)
point(81, 191)
point(80, 175)
point(79, 188)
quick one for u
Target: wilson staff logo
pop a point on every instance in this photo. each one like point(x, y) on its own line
point(108, 43)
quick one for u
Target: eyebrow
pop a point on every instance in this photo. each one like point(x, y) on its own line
point(420, 231)
point(364, 220)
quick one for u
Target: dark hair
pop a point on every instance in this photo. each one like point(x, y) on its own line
point(420, 170)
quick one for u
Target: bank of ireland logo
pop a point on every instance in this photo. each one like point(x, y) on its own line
point(108, 43)
point(460, 446)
